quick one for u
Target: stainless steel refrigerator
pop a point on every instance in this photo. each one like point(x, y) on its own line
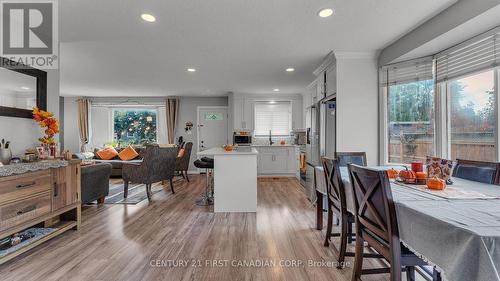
point(321, 136)
point(312, 149)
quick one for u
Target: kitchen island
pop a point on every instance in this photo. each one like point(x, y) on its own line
point(235, 179)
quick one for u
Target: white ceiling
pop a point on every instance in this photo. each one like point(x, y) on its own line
point(236, 45)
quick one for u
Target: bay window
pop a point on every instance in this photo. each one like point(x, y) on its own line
point(472, 118)
point(445, 105)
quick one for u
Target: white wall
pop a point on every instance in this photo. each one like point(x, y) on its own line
point(357, 105)
point(24, 133)
point(188, 112)
point(70, 131)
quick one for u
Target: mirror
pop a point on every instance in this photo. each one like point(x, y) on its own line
point(17, 90)
point(21, 89)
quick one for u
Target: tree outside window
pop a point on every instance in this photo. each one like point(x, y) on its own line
point(134, 126)
point(411, 121)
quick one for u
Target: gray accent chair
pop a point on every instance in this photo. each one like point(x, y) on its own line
point(95, 182)
point(182, 163)
point(157, 165)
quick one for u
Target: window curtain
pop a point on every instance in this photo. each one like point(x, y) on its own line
point(172, 105)
point(83, 122)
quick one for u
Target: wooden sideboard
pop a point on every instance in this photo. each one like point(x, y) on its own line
point(46, 198)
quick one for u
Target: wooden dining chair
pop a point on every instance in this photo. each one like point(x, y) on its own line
point(376, 224)
point(479, 171)
point(337, 205)
point(344, 158)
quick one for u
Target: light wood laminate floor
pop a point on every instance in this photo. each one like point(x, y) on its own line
point(148, 241)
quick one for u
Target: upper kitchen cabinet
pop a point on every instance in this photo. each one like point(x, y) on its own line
point(326, 77)
point(331, 80)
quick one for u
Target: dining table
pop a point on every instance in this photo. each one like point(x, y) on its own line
point(456, 230)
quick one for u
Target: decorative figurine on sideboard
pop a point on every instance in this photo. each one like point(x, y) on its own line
point(5, 153)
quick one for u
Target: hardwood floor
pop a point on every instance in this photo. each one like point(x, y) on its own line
point(149, 241)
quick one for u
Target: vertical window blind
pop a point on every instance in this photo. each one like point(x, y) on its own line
point(479, 53)
point(272, 116)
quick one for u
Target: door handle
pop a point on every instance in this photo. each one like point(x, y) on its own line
point(56, 190)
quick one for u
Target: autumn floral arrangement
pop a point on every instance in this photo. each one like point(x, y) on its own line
point(47, 121)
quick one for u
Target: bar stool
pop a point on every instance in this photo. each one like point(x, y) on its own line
point(207, 198)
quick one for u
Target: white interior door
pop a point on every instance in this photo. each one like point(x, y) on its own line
point(212, 127)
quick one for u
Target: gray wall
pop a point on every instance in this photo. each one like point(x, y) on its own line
point(188, 112)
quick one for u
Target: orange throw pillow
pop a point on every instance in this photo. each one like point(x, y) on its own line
point(128, 154)
point(181, 153)
point(107, 154)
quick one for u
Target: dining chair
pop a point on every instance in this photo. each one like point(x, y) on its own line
point(376, 224)
point(344, 158)
point(479, 171)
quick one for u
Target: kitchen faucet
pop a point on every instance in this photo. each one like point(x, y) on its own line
point(270, 139)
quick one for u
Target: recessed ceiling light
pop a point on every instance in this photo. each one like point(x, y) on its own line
point(324, 13)
point(290, 69)
point(276, 90)
point(25, 88)
point(191, 69)
point(148, 17)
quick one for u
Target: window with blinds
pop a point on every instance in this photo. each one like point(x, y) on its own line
point(465, 78)
point(274, 117)
point(475, 55)
point(407, 72)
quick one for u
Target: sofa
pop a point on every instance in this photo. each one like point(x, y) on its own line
point(117, 163)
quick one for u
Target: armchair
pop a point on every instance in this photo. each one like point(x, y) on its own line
point(157, 165)
point(182, 163)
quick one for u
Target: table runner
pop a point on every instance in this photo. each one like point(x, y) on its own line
point(460, 237)
point(450, 192)
point(21, 168)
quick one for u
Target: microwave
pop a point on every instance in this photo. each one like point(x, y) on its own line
point(242, 139)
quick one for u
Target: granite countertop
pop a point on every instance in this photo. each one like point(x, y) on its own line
point(21, 168)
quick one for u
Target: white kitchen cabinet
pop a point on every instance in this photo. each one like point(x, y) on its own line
point(277, 160)
point(331, 80)
point(320, 89)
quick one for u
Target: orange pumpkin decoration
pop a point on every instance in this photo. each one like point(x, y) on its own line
point(407, 175)
point(392, 173)
point(436, 183)
point(421, 175)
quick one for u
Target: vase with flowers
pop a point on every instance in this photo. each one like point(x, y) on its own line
point(49, 123)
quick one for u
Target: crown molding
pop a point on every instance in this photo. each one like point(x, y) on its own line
point(327, 61)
